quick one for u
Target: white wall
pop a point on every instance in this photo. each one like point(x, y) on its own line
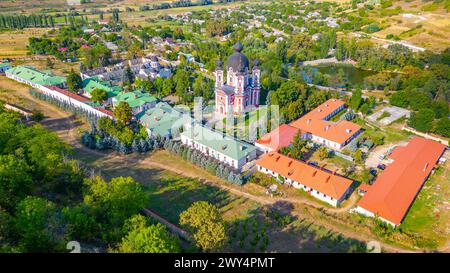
point(237, 164)
point(59, 96)
point(296, 184)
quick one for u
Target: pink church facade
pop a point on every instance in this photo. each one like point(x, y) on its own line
point(241, 90)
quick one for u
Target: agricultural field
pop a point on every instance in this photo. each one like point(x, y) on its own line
point(14, 43)
point(412, 22)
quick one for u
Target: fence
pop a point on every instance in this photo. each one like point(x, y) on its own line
point(426, 135)
point(344, 156)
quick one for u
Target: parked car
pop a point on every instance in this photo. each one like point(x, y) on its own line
point(373, 172)
point(314, 163)
point(381, 166)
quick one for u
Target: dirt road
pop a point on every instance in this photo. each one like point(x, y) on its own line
point(65, 124)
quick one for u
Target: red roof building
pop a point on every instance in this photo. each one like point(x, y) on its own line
point(395, 189)
point(315, 125)
point(68, 93)
point(278, 138)
point(320, 183)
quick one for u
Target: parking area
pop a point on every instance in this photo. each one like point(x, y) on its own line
point(380, 154)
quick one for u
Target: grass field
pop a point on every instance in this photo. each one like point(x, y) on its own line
point(429, 216)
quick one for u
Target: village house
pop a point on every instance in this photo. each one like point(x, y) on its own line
point(231, 151)
point(393, 192)
point(144, 67)
point(319, 183)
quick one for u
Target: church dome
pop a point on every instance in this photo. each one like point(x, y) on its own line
point(237, 60)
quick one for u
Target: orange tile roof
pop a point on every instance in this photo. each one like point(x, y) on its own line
point(314, 122)
point(325, 109)
point(313, 177)
point(396, 187)
point(279, 137)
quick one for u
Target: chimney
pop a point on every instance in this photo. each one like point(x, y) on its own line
point(425, 167)
point(314, 173)
point(290, 163)
point(348, 131)
point(308, 121)
point(278, 158)
point(327, 127)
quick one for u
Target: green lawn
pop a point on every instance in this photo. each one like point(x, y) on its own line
point(429, 215)
point(172, 194)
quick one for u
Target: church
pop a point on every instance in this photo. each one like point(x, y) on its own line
point(240, 92)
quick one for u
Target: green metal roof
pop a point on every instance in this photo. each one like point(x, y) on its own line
point(90, 84)
point(5, 64)
point(223, 144)
point(162, 119)
point(33, 75)
point(135, 98)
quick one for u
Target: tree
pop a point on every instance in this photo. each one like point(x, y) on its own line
point(399, 99)
point(99, 95)
point(422, 120)
point(39, 225)
point(123, 112)
point(74, 82)
point(323, 153)
point(358, 155)
point(144, 84)
point(15, 181)
point(298, 146)
point(205, 221)
point(50, 63)
point(142, 238)
point(81, 224)
point(128, 75)
point(443, 127)
point(167, 87)
point(115, 201)
point(356, 99)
